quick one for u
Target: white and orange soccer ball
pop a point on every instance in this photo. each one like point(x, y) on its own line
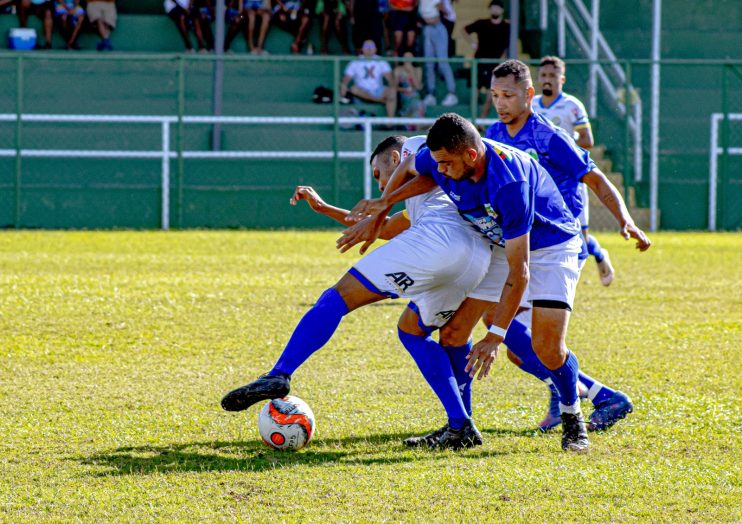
point(286, 423)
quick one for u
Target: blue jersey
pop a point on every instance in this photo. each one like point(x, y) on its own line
point(514, 197)
point(555, 150)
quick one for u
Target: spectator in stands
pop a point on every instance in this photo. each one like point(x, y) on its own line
point(384, 10)
point(409, 82)
point(366, 21)
point(403, 19)
point(294, 16)
point(70, 16)
point(368, 74)
point(493, 38)
point(449, 20)
point(435, 44)
point(234, 21)
point(43, 9)
point(102, 16)
point(252, 10)
point(335, 11)
point(180, 13)
point(202, 14)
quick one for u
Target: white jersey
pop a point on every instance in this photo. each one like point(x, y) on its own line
point(433, 205)
point(566, 112)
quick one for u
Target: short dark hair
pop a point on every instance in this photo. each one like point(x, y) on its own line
point(497, 3)
point(393, 142)
point(515, 68)
point(452, 132)
point(553, 61)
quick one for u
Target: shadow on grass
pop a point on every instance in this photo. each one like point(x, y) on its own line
point(254, 456)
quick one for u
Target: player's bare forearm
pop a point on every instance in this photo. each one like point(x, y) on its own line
point(416, 186)
point(394, 225)
point(612, 199)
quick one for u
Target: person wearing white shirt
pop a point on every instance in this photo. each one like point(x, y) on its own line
point(368, 74)
point(435, 45)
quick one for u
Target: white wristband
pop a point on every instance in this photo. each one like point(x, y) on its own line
point(497, 330)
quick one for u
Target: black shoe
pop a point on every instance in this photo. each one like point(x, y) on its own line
point(264, 388)
point(425, 440)
point(467, 436)
point(574, 432)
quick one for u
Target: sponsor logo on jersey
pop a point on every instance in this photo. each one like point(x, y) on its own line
point(455, 196)
point(533, 153)
point(400, 279)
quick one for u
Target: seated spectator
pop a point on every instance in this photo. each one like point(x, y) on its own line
point(409, 82)
point(202, 14)
point(70, 17)
point(493, 39)
point(102, 16)
point(435, 40)
point(43, 9)
point(337, 12)
point(251, 11)
point(234, 21)
point(293, 16)
point(368, 74)
point(180, 13)
point(403, 21)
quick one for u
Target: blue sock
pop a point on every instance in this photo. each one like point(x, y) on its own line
point(565, 380)
point(594, 249)
point(312, 332)
point(518, 341)
point(457, 357)
point(436, 368)
point(597, 392)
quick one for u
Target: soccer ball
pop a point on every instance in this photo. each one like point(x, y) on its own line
point(286, 423)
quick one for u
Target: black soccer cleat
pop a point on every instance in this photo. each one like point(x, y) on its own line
point(264, 388)
point(574, 432)
point(467, 436)
point(425, 440)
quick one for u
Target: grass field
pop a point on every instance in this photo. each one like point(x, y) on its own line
point(116, 348)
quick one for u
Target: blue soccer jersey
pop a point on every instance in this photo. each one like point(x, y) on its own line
point(516, 196)
point(555, 150)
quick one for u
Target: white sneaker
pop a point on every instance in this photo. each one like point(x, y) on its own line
point(450, 100)
point(430, 100)
point(605, 268)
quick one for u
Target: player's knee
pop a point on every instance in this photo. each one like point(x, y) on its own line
point(550, 350)
point(454, 335)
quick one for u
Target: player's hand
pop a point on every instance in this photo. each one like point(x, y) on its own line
point(631, 231)
point(366, 231)
point(309, 195)
point(482, 355)
point(364, 208)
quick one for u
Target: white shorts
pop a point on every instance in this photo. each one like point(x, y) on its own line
point(436, 265)
point(554, 271)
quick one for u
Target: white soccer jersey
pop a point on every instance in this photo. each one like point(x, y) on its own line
point(566, 112)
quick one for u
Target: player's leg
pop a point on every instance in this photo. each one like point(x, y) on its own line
point(312, 332)
point(435, 366)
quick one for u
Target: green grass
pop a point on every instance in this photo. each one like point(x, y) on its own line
point(115, 349)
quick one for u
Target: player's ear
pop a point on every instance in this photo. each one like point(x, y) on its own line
point(530, 91)
point(396, 157)
point(471, 153)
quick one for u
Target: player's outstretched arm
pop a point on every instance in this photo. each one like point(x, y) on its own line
point(391, 227)
point(484, 352)
point(311, 197)
point(612, 199)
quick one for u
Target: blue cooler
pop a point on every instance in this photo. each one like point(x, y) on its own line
point(21, 38)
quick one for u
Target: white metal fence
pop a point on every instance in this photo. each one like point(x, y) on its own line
point(166, 154)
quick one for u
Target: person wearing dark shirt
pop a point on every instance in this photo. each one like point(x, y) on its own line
point(493, 37)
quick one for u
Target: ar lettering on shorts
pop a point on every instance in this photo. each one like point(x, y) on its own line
point(445, 315)
point(401, 280)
